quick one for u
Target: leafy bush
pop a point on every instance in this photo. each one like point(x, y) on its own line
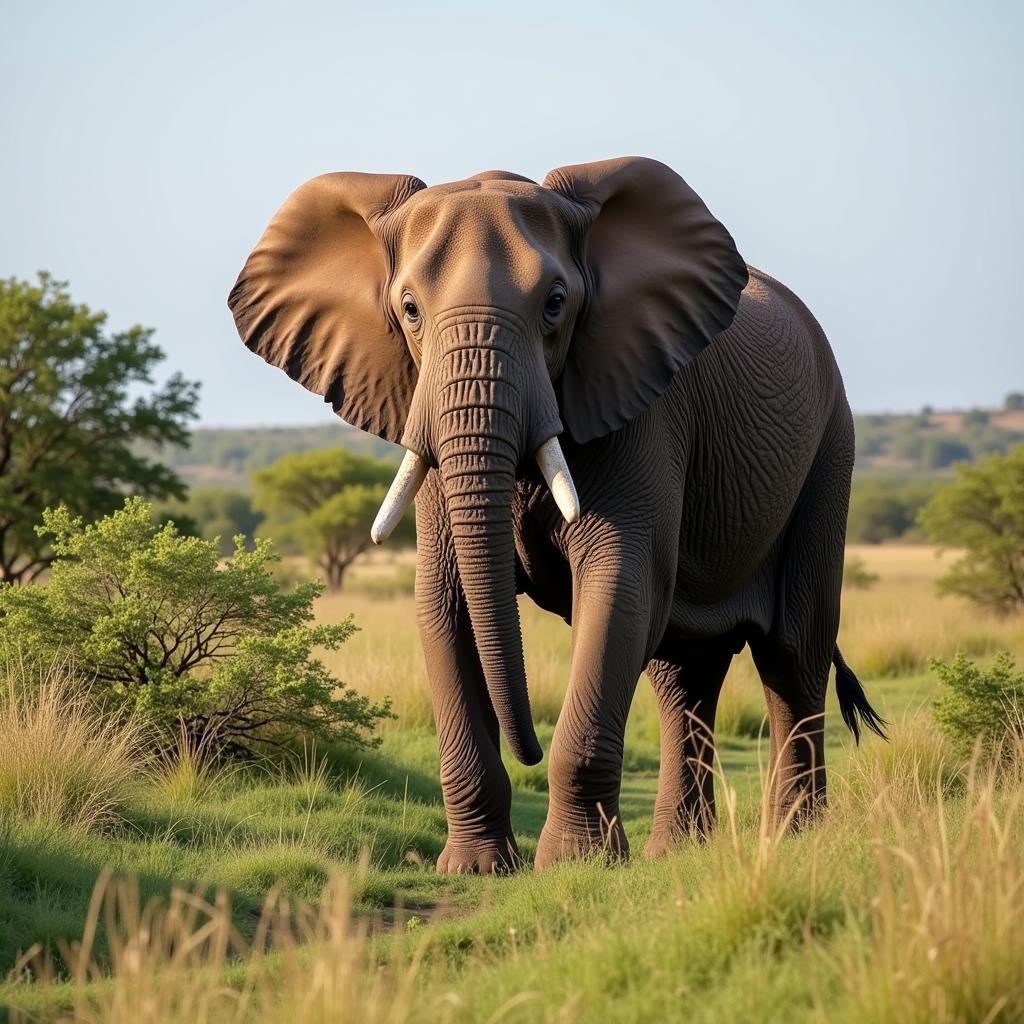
point(885, 507)
point(983, 512)
point(979, 706)
point(856, 575)
point(155, 623)
point(61, 763)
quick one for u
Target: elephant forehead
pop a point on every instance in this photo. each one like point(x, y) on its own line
point(476, 236)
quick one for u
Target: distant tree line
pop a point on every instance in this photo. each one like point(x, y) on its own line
point(229, 455)
point(885, 507)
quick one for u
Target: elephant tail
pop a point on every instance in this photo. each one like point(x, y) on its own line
point(853, 702)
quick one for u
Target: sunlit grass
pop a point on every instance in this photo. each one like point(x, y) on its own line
point(189, 772)
point(63, 764)
point(903, 903)
point(909, 907)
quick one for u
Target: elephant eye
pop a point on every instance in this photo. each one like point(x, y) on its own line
point(410, 309)
point(555, 304)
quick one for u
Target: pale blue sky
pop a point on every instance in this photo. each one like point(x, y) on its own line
point(869, 154)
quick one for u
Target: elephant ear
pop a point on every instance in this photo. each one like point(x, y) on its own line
point(665, 279)
point(311, 298)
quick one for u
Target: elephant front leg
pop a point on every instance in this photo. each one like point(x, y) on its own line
point(475, 785)
point(610, 636)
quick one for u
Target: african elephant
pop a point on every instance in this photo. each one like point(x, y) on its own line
point(696, 502)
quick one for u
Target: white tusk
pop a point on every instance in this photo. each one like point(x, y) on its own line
point(408, 480)
point(559, 480)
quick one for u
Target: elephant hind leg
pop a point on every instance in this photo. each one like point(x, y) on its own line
point(795, 657)
point(795, 693)
point(687, 688)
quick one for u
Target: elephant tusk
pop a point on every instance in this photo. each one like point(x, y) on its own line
point(408, 480)
point(559, 480)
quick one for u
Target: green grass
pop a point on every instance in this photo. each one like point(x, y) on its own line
point(750, 926)
point(917, 871)
point(253, 830)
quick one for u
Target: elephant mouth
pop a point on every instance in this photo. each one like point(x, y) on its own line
point(414, 468)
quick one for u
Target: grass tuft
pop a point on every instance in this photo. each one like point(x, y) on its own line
point(190, 772)
point(62, 763)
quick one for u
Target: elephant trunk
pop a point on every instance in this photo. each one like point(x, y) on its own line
point(479, 482)
point(478, 409)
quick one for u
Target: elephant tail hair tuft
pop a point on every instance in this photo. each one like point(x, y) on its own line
point(853, 702)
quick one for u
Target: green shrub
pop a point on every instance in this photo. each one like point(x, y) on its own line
point(156, 623)
point(978, 706)
point(884, 507)
point(856, 575)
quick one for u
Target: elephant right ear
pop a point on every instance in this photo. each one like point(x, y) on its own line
point(311, 298)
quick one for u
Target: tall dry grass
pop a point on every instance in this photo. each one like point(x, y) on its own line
point(62, 763)
point(184, 960)
point(943, 937)
point(895, 626)
point(889, 630)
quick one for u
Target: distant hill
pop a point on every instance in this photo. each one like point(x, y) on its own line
point(930, 442)
point(926, 443)
point(226, 456)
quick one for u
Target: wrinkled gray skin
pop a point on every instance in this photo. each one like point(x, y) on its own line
point(712, 466)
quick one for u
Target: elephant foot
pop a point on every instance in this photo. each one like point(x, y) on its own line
point(661, 844)
point(664, 842)
point(688, 828)
point(497, 856)
point(601, 839)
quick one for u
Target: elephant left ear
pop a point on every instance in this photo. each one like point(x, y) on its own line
point(311, 298)
point(665, 280)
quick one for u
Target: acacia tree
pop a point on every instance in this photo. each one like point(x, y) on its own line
point(69, 425)
point(982, 511)
point(325, 501)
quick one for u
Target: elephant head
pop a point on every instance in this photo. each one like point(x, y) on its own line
point(473, 323)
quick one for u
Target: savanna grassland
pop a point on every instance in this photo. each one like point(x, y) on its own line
point(135, 889)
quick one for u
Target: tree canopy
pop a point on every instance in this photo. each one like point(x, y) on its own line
point(71, 417)
point(982, 511)
point(325, 501)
